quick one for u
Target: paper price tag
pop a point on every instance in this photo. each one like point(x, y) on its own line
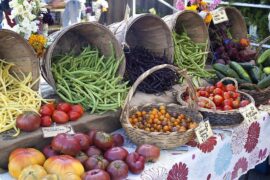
point(219, 15)
point(203, 131)
point(250, 113)
point(53, 131)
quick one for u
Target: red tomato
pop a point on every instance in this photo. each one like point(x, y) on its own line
point(66, 107)
point(220, 85)
point(218, 100)
point(230, 87)
point(207, 89)
point(73, 115)
point(60, 117)
point(227, 108)
point(51, 105)
point(45, 110)
point(243, 103)
point(236, 104)
point(77, 108)
point(46, 121)
point(228, 102)
point(212, 88)
point(226, 95)
point(236, 95)
point(218, 91)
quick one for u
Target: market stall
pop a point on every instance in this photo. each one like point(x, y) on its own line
point(147, 98)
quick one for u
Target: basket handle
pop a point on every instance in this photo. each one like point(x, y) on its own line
point(249, 96)
point(125, 112)
point(260, 46)
point(232, 79)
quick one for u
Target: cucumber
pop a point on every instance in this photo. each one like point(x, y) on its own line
point(266, 70)
point(225, 70)
point(263, 76)
point(255, 74)
point(232, 73)
point(247, 66)
point(264, 83)
point(240, 71)
point(264, 56)
point(266, 62)
point(221, 68)
point(248, 86)
point(220, 75)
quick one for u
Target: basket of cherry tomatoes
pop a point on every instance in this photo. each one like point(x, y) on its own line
point(220, 102)
point(164, 125)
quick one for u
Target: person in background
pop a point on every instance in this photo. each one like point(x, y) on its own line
point(104, 11)
point(1, 14)
point(73, 11)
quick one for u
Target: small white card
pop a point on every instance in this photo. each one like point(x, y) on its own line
point(219, 15)
point(250, 113)
point(203, 131)
point(53, 131)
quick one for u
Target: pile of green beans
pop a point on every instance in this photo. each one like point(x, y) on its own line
point(191, 56)
point(90, 80)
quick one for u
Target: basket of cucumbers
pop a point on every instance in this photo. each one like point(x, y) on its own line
point(253, 79)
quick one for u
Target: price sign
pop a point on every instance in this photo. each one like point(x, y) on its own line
point(53, 131)
point(250, 113)
point(203, 131)
point(219, 15)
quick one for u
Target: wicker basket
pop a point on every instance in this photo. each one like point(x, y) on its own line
point(14, 48)
point(261, 96)
point(146, 30)
point(160, 139)
point(77, 36)
point(188, 21)
point(217, 117)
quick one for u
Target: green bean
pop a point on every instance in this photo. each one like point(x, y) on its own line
point(91, 78)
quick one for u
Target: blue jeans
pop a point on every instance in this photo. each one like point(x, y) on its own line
point(1, 18)
point(72, 13)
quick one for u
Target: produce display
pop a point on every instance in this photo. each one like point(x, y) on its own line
point(60, 113)
point(159, 120)
point(191, 56)
point(139, 60)
point(249, 76)
point(16, 96)
point(227, 49)
point(96, 155)
point(90, 80)
point(220, 96)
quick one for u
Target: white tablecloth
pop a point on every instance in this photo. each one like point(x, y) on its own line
point(227, 155)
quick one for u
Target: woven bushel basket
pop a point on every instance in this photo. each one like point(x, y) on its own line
point(15, 49)
point(220, 118)
point(160, 139)
point(261, 96)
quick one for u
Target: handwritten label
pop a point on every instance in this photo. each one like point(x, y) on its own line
point(219, 15)
point(203, 131)
point(53, 131)
point(250, 113)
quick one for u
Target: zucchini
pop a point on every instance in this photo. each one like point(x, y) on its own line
point(247, 66)
point(266, 70)
point(264, 56)
point(240, 71)
point(255, 74)
point(221, 68)
point(264, 83)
